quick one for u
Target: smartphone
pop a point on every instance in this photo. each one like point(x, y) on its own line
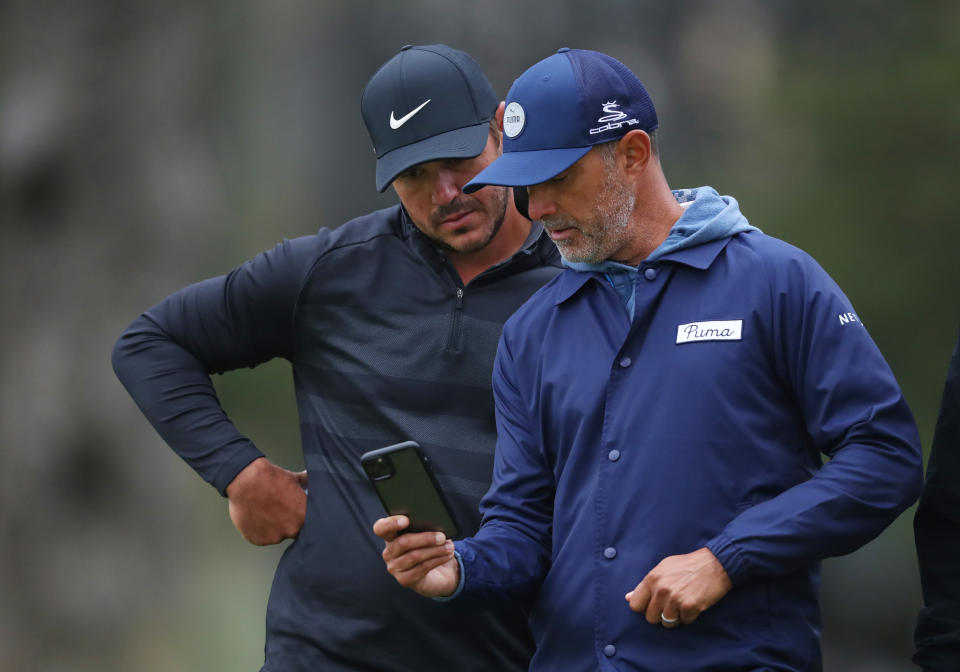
point(405, 484)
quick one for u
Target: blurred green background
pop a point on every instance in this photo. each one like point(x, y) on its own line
point(145, 145)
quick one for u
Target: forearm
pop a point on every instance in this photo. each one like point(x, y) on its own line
point(503, 562)
point(175, 393)
point(851, 409)
point(511, 552)
point(848, 502)
point(242, 319)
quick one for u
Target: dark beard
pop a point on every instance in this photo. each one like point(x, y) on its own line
point(499, 206)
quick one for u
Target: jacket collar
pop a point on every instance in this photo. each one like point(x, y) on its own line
point(700, 257)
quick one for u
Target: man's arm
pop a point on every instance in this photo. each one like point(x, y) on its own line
point(165, 359)
point(854, 412)
point(937, 532)
point(511, 552)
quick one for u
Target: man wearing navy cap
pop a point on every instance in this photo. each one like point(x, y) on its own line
point(390, 323)
point(662, 407)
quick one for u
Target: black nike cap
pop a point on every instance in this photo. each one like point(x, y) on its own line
point(427, 102)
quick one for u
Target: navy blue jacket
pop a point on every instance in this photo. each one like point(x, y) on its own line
point(700, 422)
point(386, 345)
point(937, 530)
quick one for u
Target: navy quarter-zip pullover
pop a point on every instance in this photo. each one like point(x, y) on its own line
point(386, 344)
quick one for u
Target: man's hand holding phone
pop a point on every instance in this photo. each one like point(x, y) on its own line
point(422, 561)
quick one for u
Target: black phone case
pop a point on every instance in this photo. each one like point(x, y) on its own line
point(410, 488)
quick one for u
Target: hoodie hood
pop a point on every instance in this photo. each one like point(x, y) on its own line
point(707, 216)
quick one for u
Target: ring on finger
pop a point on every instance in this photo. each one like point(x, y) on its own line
point(668, 621)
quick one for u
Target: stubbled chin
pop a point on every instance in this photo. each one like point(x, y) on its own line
point(468, 241)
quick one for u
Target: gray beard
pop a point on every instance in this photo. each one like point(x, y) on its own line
point(608, 225)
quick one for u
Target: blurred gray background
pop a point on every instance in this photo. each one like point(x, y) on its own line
point(146, 145)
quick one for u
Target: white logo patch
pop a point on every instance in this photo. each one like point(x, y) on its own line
point(717, 330)
point(847, 318)
point(514, 118)
point(397, 123)
point(612, 118)
point(612, 114)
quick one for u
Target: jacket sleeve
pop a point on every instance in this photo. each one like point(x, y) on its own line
point(510, 554)
point(937, 532)
point(854, 412)
point(165, 357)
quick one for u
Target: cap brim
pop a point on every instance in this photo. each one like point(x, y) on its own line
point(460, 143)
point(521, 169)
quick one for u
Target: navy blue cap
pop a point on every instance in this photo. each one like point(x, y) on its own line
point(559, 109)
point(427, 102)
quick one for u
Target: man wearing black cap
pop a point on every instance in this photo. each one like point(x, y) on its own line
point(390, 323)
point(662, 407)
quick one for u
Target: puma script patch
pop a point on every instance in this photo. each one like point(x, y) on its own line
point(717, 330)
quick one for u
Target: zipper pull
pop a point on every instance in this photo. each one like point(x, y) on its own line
point(459, 297)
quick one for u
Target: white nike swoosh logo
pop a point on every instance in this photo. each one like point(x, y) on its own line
point(397, 123)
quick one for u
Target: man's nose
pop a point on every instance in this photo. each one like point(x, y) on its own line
point(538, 204)
point(446, 187)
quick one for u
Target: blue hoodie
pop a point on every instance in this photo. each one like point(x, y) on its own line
point(698, 421)
point(707, 218)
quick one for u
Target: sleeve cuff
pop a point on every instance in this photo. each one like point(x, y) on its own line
point(729, 556)
point(234, 466)
point(459, 589)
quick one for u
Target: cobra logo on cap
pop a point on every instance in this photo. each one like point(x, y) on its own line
point(514, 119)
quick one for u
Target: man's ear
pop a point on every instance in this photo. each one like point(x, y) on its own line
point(499, 115)
point(634, 147)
